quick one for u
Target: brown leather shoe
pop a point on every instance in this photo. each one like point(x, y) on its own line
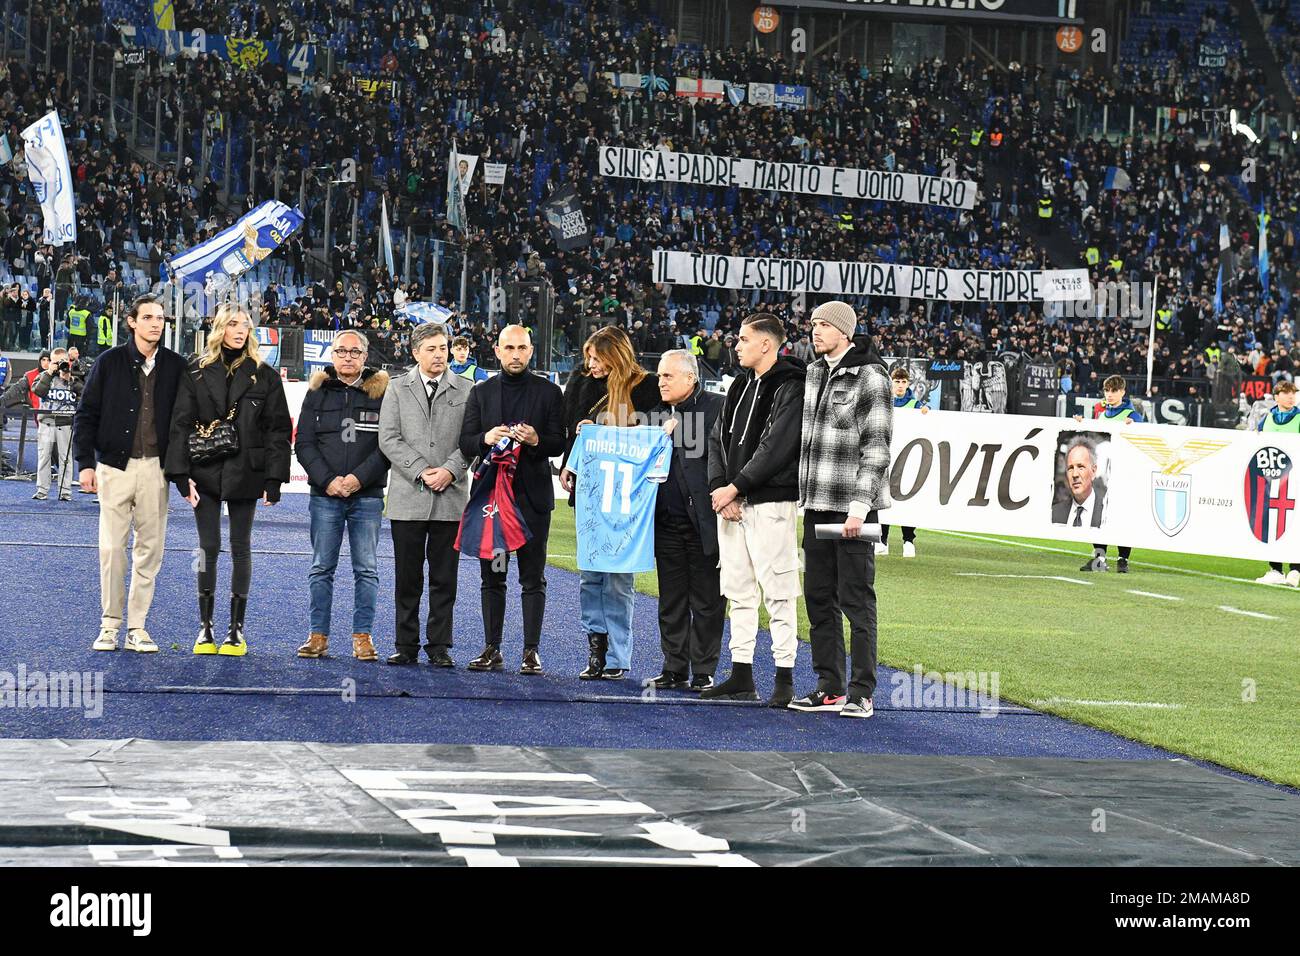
point(489, 660)
point(363, 649)
point(532, 663)
point(317, 645)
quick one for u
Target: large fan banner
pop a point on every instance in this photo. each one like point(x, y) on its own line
point(662, 165)
point(871, 278)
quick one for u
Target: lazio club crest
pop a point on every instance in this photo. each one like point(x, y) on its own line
point(1171, 488)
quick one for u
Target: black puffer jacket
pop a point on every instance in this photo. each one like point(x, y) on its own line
point(760, 455)
point(262, 422)
point(328, 447)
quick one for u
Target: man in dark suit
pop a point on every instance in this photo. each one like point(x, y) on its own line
point(1084, 507)
point(528, 408)
point(691, 606)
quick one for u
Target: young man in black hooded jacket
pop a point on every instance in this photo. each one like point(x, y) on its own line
point(754, 480)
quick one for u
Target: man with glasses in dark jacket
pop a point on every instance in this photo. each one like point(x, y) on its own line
point(338, 447)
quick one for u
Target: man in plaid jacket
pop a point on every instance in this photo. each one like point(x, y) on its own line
point(843, 477)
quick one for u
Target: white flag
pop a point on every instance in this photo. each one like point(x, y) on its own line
point(47, 167)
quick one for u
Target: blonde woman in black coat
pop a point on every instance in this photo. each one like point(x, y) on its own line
point(229, 376)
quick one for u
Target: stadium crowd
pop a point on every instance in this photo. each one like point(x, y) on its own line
point(1025, 135)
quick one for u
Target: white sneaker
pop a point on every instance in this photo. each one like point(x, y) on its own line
point(107, 640)
point(1293, 578)
point(139, 640)
point(909, 549)
point(881, 548)
point(1273, 577)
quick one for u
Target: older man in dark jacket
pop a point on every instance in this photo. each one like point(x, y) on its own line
point(338, 447)
point(691, 605)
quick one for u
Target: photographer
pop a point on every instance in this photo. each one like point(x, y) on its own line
point(59, 391)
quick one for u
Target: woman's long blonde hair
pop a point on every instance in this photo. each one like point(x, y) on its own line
point(614, 349)
point(225, 315)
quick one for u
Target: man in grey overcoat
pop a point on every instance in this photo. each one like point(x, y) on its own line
point(419, 433)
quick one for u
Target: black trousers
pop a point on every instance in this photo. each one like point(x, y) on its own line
point(207, 516)
point(909, 534)
point(838, 582)
point(691, 606)
point(531, 563)
point(415, 544)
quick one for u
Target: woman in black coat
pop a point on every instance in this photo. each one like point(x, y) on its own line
point(229, 377)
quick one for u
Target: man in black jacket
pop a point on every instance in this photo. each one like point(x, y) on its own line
point(528, 408)
point(338, 447)
point(691, 606)
point(120, 434)
point(754, 480)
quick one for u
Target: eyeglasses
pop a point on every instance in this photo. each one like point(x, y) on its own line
point(349, 353)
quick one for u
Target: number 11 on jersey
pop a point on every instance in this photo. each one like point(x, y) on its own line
point(624, 470)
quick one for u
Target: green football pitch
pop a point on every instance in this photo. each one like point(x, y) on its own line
point(1184, 652)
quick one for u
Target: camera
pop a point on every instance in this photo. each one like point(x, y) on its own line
point(64, 368)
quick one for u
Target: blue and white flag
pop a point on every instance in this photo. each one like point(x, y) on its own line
point(236, 249)
point(385, 239)
point(735, 94)
point(424, 312)
point(1263, 250)
point(1224, 245)
point(47, 167)
point(6, 154)
point(1117, 178)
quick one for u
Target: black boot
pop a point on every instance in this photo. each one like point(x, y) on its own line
point(783, 690)
point(739, 686)
point(597, 645)
point(234, 645)
point(206, 643)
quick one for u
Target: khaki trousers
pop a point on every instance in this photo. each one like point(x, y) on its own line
point(136, 497)
point(761, 550)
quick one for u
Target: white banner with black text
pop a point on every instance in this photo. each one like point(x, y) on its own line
point(870, 278)
point(661, 165)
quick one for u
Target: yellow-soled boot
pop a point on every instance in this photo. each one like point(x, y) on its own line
point(234, 645)
point(206, 644)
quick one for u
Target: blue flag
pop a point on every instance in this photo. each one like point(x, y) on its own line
point(1224, 243)
point(236, 249)
point(1263, 249)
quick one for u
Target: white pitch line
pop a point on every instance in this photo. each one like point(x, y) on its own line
point(1081, 554)
point(1036, 577)
point(1153, 705)
point(1236, 610)
point(1152, 594)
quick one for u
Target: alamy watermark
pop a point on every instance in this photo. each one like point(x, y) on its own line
point(1110, 300)
point(920, 689)
point(40, 690)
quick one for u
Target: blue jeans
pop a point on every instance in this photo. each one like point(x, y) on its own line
point(606, 601)
point(362, 517)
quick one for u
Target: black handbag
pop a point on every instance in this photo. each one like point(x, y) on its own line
point(215, 441)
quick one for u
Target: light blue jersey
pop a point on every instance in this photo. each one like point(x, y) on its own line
point(619, 471)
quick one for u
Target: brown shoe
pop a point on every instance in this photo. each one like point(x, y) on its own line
point(363, 649)
point(532, 662)
point(317, 646)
